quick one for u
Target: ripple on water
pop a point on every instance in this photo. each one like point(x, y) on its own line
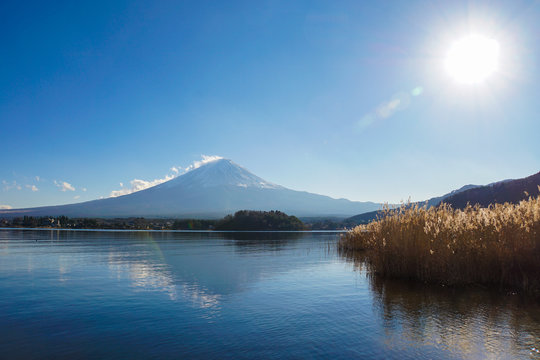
point(168, 295)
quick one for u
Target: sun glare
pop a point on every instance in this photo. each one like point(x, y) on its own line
point(472, 59)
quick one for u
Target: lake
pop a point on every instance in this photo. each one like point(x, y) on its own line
point(170, 295)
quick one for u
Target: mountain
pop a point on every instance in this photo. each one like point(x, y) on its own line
point(212, 190)
point(512, 191)
point(437, 200)
point(498, 192)
point(367, 217)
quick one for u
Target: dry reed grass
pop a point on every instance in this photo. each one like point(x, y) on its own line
point(498, 245)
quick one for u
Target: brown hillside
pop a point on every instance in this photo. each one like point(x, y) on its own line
point(512, 191)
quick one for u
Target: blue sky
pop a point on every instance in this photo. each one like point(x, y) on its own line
point(96, 94)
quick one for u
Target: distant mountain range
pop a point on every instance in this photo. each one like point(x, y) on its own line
point(212, 190)
point(372, 215)
point(512, 191)
point(223, 187)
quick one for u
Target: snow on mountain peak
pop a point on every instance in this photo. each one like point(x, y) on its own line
point(205, 160)
point(218, 172)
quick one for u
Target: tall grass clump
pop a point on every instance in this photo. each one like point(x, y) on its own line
point(498, 245)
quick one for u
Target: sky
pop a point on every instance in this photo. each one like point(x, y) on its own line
point(349, 99)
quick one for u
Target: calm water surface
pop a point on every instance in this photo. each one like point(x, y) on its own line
point(98, 294)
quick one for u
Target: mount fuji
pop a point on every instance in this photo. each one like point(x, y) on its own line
point(214, 189)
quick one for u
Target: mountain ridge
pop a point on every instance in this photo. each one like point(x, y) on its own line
point(510, 190)
point(212, 190)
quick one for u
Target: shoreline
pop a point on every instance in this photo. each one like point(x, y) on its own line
point(177, 231)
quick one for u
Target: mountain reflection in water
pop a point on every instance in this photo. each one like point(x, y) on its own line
point(199, 276)
point(118, 294)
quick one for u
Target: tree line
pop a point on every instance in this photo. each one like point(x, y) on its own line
point(244, 220)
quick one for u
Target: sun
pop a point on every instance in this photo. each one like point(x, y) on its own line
point(472, 59)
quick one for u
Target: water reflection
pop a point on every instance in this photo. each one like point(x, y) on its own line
point(469, 322)
point(251, 295)
point(253, 242)
point(195, 267)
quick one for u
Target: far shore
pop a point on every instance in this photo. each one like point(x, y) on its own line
point(243, 220)
point(174, 231)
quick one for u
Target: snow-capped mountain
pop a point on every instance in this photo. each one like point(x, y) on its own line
point(220, 172)
point(214, 189)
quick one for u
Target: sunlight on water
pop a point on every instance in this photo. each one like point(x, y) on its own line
point(76, 294)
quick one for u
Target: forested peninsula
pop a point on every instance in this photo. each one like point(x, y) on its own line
point(244, 220)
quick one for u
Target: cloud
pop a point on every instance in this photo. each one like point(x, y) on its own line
point(138, 184)
point(205, 160)
point(179, 170)
point(64, 186)
point(38, 178)
point(10, 185)
point(5, 207)
point(32, 187)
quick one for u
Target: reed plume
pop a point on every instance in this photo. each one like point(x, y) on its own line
point(498, 245)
